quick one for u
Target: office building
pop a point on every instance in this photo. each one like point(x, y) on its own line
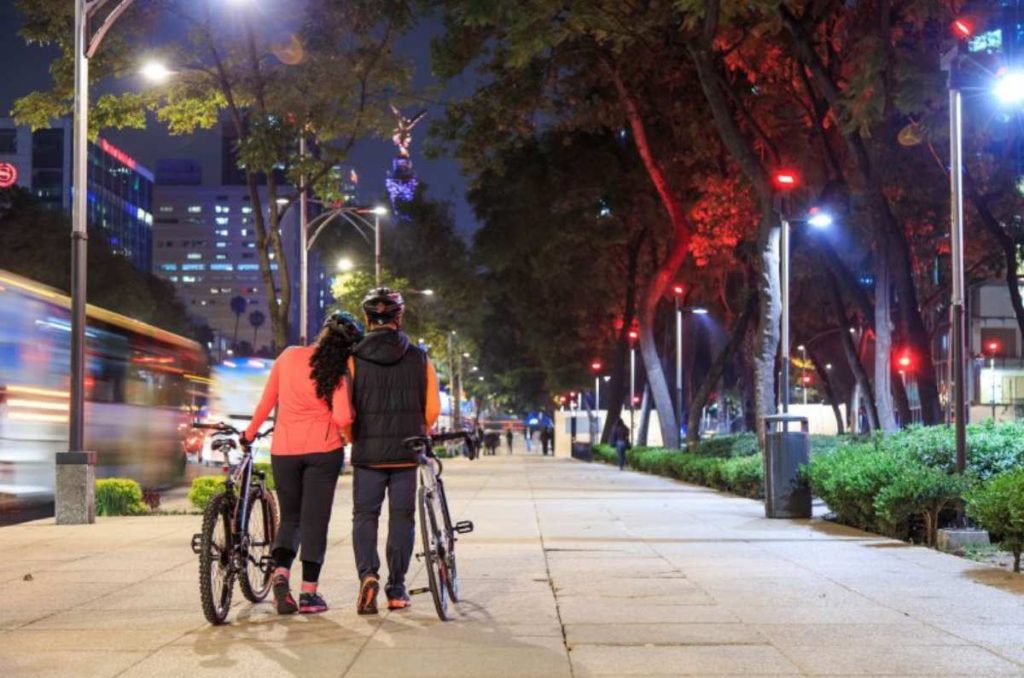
point(205, 244)
point(120, 198)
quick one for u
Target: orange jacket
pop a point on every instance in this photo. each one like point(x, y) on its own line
point(303, 423)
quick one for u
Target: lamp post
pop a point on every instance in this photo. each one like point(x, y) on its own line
point(785, 181)
point(993, 349)
point(596, 367)
point(352, 214)
point(678, 291)
point(803, 370)
point(633, 334)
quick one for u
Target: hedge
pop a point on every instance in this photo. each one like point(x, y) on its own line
point(999, 507)
point(119, 497)
point(203, 488)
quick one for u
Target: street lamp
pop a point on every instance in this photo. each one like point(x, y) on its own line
point(993, 348)
point(596, 367)
point(156, 72)
point(345, 265)
point(633, 335)
point(785, 181)
point(678, 295)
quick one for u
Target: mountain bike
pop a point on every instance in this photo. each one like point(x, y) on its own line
point(239, 526)
point(436, 528)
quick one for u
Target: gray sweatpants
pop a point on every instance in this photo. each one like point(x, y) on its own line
point(368, 488)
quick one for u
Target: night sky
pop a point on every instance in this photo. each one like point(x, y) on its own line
point(25, 69)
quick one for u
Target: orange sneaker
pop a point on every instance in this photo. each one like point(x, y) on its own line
point(367, 603)
point(400, 603)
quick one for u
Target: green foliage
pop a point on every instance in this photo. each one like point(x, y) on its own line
point(738, 445)
point(203, 488)
point(850, 478)
point(119, 497)
point(999, 507)
point(917, 492)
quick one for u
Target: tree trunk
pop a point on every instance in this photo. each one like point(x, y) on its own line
point(852, 357)
point(721, 361)
point(1006, 243)
point(883, 345)
point(768, 332)
point(826, 381)
point(617, 385)
point(659, 284)
point(645, 419)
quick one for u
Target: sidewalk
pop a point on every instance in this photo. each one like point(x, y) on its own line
point(574, 570)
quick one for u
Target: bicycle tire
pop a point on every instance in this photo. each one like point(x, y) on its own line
point(254, 582)
point(452, 580)
point(435, 567)
point(216, 569)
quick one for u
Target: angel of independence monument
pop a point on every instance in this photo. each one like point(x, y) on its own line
point(401, 181)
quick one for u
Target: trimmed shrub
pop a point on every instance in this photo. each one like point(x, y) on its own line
point(605, 453)
point(917, 491)
point(850, 478)
point(119, 497)
point(744, 476)
point(999, 507)
point(203, 488)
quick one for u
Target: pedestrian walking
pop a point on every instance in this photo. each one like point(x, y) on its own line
point(508, 439)
point(544, 441)
point(309, 387)
point(528, 437)
point(620, 438)
point(395, 396)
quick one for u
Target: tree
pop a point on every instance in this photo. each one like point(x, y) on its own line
point(239, 305)
point(326, 75)
point(256, 319)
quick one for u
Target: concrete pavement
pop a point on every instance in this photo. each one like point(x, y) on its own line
point(574, 570)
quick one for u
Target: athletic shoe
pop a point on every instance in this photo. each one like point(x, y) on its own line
point(399, 602)
point(283, 596)
point(311, 603)
point(367, 603)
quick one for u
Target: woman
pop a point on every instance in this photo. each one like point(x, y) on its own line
point(308, 386)
point(620, 438)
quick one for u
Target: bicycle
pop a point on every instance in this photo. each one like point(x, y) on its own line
point(239, 527)
point(436, 528)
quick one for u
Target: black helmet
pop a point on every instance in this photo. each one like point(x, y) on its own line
point(383, 305)
point(345, 324)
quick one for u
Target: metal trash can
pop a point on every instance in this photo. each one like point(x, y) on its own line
point(786, 450)
point(583, 451)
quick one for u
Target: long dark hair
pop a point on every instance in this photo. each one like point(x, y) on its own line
point(330, 362)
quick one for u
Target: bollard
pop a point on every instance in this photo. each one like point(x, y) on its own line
point(75, 496)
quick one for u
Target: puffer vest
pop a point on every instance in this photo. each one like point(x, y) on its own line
point(390, 405)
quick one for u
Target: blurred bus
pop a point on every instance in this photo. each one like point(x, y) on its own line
point(235, 390)
point(143, 385)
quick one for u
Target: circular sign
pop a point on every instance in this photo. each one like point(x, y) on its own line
point(8, 175)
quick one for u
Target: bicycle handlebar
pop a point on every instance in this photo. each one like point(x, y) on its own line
point(223, 427)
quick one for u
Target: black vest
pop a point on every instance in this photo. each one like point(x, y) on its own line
point(390, 402)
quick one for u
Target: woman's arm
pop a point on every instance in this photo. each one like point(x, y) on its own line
point(267, 402)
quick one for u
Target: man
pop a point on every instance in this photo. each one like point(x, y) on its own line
point(508, 439)
point(394, 396)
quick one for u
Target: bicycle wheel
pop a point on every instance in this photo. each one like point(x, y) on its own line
point(449, 541)
point(216, 571)
point(256, 575)
point(436, 567)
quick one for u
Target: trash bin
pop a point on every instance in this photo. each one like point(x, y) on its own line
point(583, 451)
point(786, 450)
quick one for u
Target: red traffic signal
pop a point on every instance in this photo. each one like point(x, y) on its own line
point(633, 335)
point(785, 179)
point(905, 361)
point(677, 289)
point(993, 347)
point(807, 379)
point(596, 365)
point(962, 28)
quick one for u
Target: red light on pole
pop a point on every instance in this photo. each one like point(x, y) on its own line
point(785, 180)
point(633, 335)
point(962, 28)
point(596, 365)
point(904, 361)
point(994, 347)
point(677, 289)
point(807, 379)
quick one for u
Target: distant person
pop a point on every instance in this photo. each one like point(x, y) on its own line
point(492, 440)
point(508, 439)
point(544, 441)
point(308, 386)
point(395, 396)
point(528, 437)
point(620, 439)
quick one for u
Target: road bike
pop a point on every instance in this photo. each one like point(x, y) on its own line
point(239, 526)
point(436, 528)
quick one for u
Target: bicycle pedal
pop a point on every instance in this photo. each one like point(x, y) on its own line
point(416, 592)
point(197, 540)
point(464, 526)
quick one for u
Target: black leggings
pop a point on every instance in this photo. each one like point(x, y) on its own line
point(305, 490)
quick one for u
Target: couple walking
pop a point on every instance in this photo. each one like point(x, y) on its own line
point(373, 390)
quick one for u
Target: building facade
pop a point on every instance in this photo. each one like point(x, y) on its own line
point(205, 245)
point(120, 190)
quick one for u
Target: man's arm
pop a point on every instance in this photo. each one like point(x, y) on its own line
point(433, 396)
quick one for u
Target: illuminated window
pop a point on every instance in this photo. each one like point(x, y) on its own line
point(195, 209)
point(248, 267)
point(193, 267)
point(221, 244)
point(173, 278)
point(221, 221)
point(193, 256)
point(220, 257)
point(223, 232)
point(250, 245)
point(246, 209)
point(166, 209)
point(221, 267)
point(244, 232)
point(214, 290)
point(168, 267)
point(271, 256)
point(188, 278)
point(273, 267)
point(221, 209)
point(225, 290)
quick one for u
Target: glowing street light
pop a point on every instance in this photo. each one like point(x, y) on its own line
point(156, 71)
point(1009, 88)
point(345, 264)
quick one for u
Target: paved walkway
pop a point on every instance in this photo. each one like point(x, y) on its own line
point(574, 570)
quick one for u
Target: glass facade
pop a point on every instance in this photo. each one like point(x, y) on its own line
point(121, 203)
point(48, 167)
